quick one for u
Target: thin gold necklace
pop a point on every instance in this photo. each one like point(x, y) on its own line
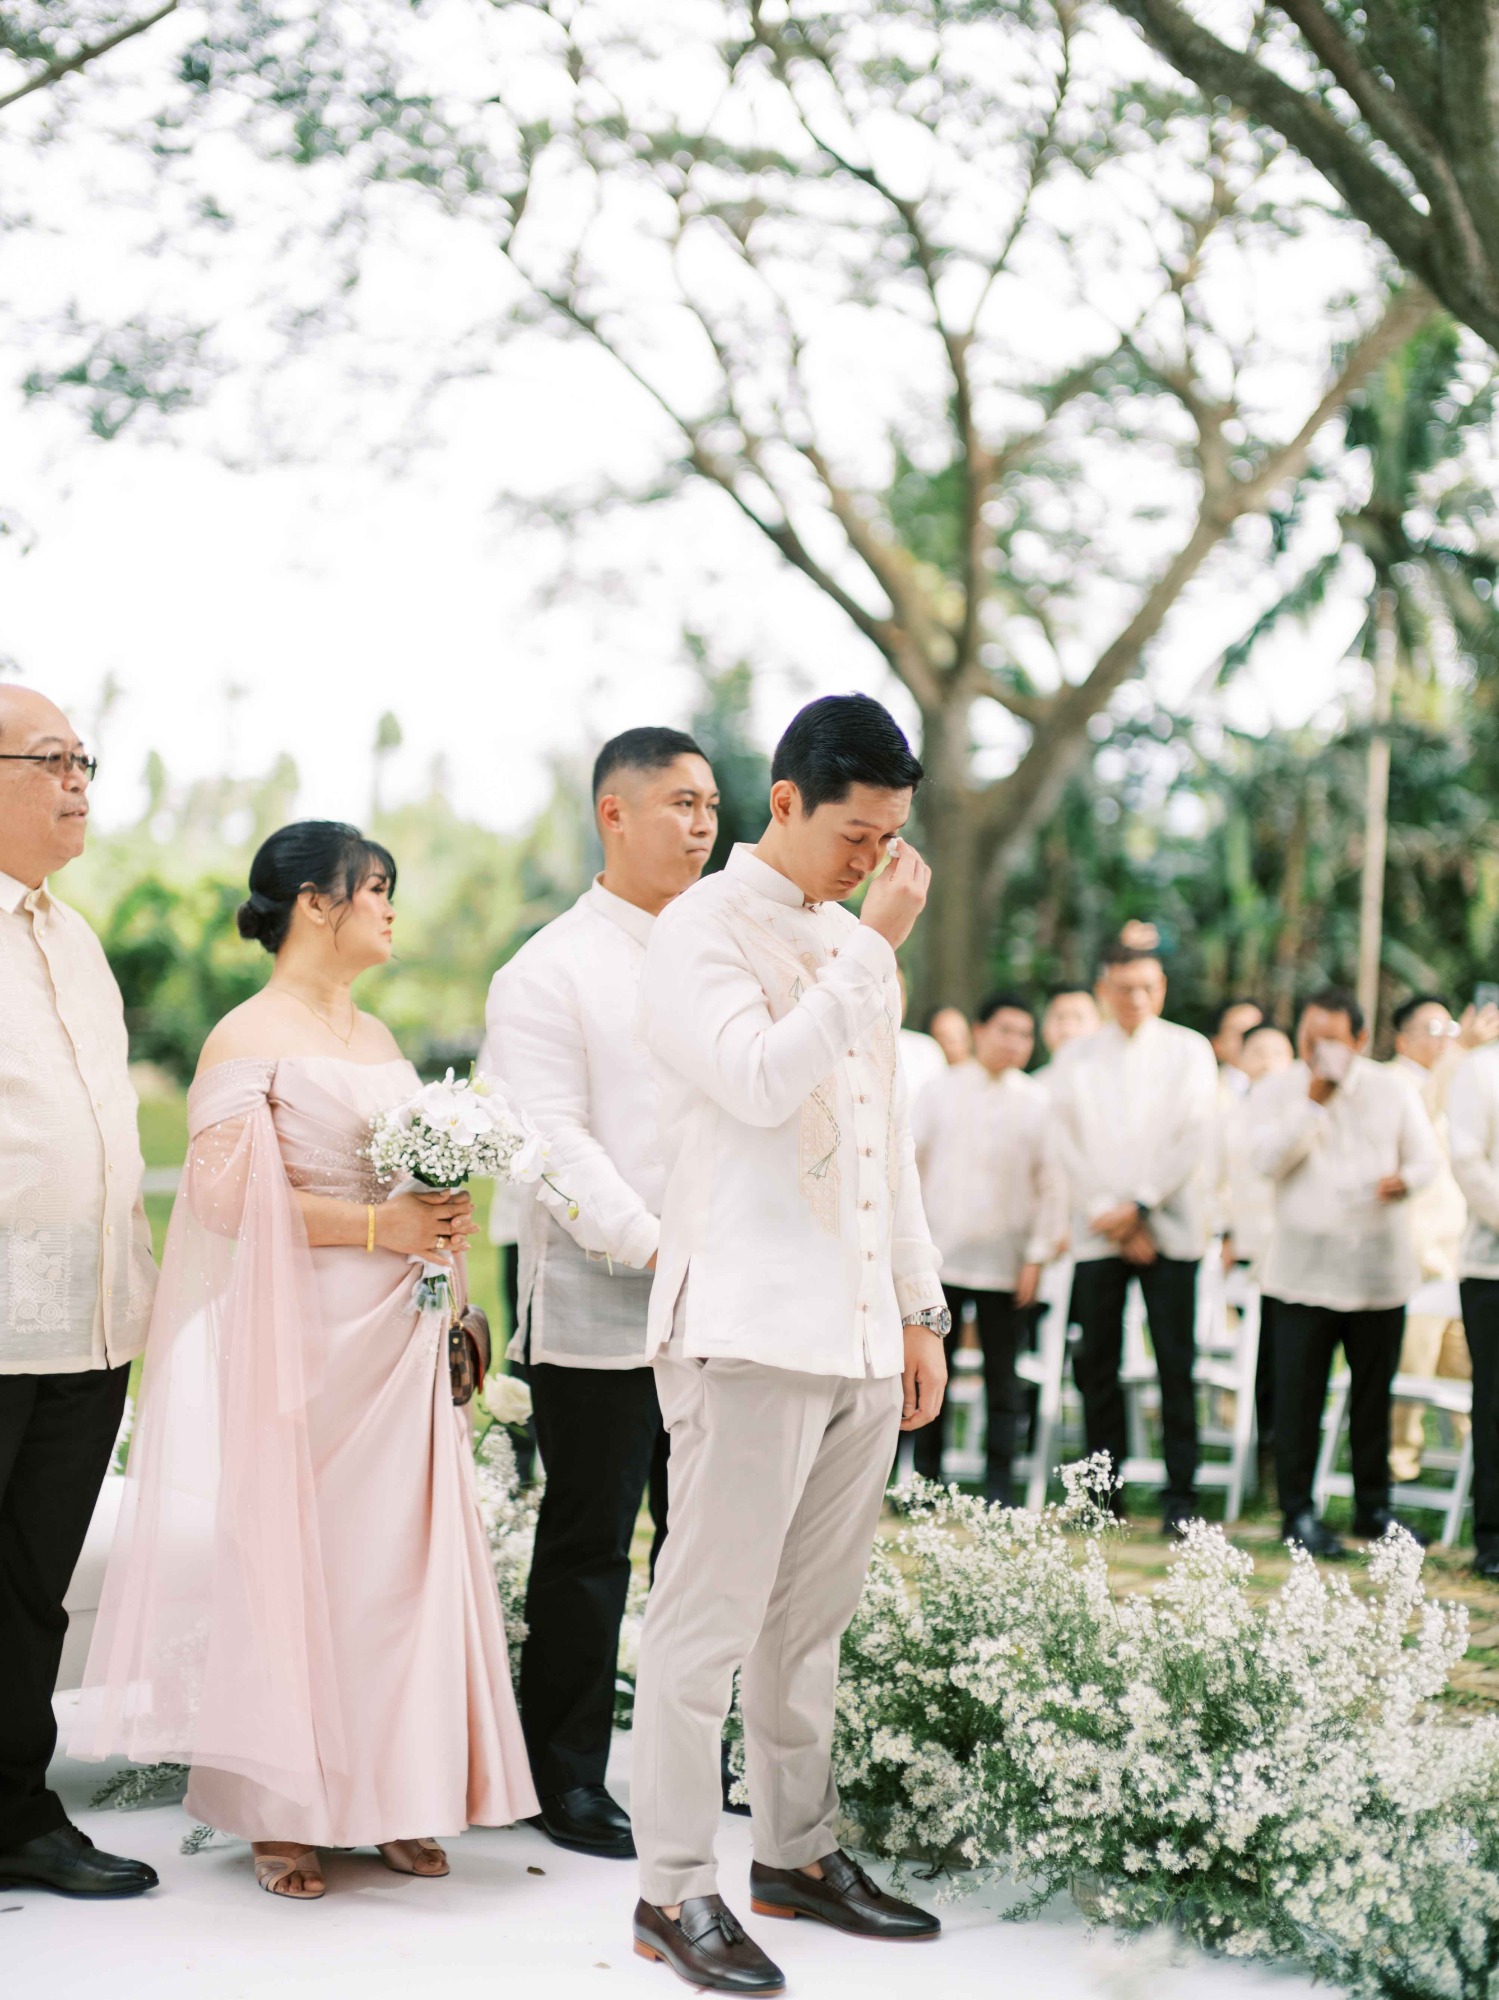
point(348, 1039)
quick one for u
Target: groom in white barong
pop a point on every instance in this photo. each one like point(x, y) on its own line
point(797, 1324)
point(561, 1035)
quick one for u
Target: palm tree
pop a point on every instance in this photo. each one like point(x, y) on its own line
point(1425, 532)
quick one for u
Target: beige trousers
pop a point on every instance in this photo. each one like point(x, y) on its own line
point(777, 1479)
point(1432, 1346)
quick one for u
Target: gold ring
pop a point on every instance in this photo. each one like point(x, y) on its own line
point(442, 1242)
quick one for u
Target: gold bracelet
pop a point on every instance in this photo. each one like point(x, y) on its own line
point(369, 1241)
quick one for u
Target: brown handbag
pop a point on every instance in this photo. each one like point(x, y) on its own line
point(468, 1353)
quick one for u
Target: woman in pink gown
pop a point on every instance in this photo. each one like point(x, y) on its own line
point(300, 1602)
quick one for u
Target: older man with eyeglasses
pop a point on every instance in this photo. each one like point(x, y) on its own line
point(76, 1277)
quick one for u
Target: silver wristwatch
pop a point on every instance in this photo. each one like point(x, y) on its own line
point(938, 1318)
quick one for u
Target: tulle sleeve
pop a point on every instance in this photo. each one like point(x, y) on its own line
point(212, 1642)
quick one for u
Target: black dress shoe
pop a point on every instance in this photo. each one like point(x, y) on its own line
point(588, 1821)
point(1308, 1533)
point(1486, 1564)
point(68, 1863)
point(844, 1897)
point(1373, 1527)
point(707, 1946)
point(1175, 1516)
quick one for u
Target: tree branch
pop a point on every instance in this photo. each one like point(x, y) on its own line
point(1388, 117)
point(1222, 71)
point(54, 72)
point(1010, 809)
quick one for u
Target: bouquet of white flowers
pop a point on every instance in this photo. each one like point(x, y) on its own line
point(444, 1134)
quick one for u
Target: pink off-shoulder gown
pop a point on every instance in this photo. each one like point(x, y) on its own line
point(300, 1601)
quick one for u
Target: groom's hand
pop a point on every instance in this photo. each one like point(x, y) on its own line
point(897, 896)
point(924, 1377)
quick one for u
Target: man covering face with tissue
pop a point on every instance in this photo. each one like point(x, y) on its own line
point(1345, 1142)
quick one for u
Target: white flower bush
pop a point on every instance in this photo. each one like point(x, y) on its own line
point(1270, 1778)
point(509, 1515)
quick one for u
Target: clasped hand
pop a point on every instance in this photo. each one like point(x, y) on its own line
point(428, 1225)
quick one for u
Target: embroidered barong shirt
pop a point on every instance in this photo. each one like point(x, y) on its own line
point(76, 1276)
point(792, 1218)
point(562, 1037)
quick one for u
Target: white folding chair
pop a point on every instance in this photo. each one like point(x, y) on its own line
point(1226, 1362)
point(963, 1453)
point(1442, 1392)
point(1045, 1367)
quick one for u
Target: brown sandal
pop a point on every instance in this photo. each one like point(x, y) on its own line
point(414, 1857)
point(277, 1865)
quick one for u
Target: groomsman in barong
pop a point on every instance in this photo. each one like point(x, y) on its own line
point(561, 1036)
point(1134, 1107)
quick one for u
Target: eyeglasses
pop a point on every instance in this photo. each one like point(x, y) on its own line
point(58, 762)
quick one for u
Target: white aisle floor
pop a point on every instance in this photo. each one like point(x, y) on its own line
point(519, 1917)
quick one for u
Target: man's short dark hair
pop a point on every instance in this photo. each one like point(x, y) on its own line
point(1067, 987)
point(640, 750)
point(841, 741)
point(1225, 1007)
point(942, 1007)
point(999, 1003)
point(1338, 1000)
point(1127, 954)
point(1416, 1002)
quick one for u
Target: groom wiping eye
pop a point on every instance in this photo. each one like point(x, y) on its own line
point(796, 1325)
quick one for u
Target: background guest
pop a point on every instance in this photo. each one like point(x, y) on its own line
point(1231, 1021)
point(1429, 1047)
point(949, 1028)
point(921, 1057)
point(996, 1209)
point(1070, 1013)
point(1248, 1209)
point(76, 1276)
point(1135, 1106)
point(1345, 1141)
point(1473, 1129)
point(562, 1037)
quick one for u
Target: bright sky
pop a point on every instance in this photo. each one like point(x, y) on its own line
point(272, 573)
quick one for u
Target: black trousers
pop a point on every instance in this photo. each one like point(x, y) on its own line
point(1000, 1327)
point(1481, 1324)
point(1264, 1376)
point(602, 1444)
point(56, 1436)
point(1306, 1338)
point(1170, 1288)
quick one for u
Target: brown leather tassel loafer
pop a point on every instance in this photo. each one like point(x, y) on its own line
point(844, 1897)
point(707, 1947)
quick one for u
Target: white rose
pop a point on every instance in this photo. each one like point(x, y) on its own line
point(507, 1399)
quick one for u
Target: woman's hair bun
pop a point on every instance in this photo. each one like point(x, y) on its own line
point(258, 917)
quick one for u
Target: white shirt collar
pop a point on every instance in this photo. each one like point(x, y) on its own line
point(747, 867)
point(631, 919)
point(13, 894)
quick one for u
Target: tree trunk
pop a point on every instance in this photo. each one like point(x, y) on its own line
point(1376, 810)
point(953, 936)
point(1292, 904)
